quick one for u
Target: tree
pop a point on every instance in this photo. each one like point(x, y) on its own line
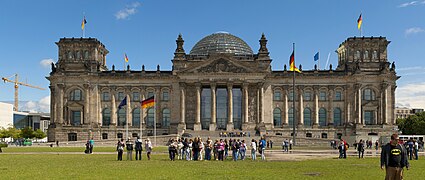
point(412, 125)
point(27, 133)
point(39, 134)
point(13, 133)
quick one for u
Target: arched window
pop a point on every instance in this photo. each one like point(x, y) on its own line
point(106, 117)
point(291, 95)
point(76, 95)
point(277, 96)
point(375, 55)
point(166, 116)
point(277, 117)
point(368, 94)
point(78, 55)
point(366, 55)
point(149, 120)
point(70, 56)
point(121, 117)
point(357, 55)
point(322, 117)
point(165, 95)
point(337, 117)
point(136, 118)
point(322, 96)
point(86, 54)
point(307, 117)
point(291, 117)
point(307, 96)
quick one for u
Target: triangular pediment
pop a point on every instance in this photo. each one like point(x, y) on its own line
point(220, 66)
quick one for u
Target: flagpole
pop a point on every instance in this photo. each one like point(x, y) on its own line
point(141, 120)
point(318, 61)
point(126, 116)
point(84, 18)
point(293, 96)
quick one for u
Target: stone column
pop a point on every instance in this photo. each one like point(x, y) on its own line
point(53, 106)
point(359, 107)
point(285, 106)
point(331, 107)
point(245, 125)
point(86, 104)
point(197, 125)
point(182, 123)
point(261, 104)
point(230, 126)
point(386, 115)
point(113, 111)
point(213, 122)
point(60, 104)
point(301, 107)
point(316, 107)
point(158, 112)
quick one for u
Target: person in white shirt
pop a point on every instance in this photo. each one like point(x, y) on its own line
point(148, 147)
point(253, 150)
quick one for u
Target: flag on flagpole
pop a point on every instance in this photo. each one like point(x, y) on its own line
point(125, 58)
point(149, 102)
point(83, 24)
point(316, 56)
point(292, 66)
point(123, 103)
point(359, 21)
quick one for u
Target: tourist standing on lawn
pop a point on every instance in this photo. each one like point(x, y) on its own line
point(208, 148)
point(91, 142)
point(220, 150)
point(172, 148)
point(263, 148)
point(129, 146)
point(394, 159)
point(139, 147)
point(253, 150)
point(148, 147)
point(360, 148)
point(120, 149)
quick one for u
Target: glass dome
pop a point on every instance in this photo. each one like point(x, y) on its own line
point(221, 42)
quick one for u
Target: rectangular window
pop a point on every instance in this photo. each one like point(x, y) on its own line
point(120, 96)
point(150, 94)
point(104, 135)
point(368, 117)
point(105, 96)
point(72, 136)
point(76, 118)
point(338, 96)
point(165, 96)
point(136, 96)
point(322, 96)
point(307, 96)
point(277, 96)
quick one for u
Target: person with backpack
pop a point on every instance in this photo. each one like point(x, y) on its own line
point(394, 159)
point(139, 147)
point(129, 146)
point(120, 149)
point(360, 148)
point(263, 148)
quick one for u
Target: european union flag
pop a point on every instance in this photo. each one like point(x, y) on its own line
point(123, 103)
point(316, 56)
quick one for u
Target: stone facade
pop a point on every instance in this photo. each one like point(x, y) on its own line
point(222, 89)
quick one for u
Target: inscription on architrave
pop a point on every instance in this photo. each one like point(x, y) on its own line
point(222, 65)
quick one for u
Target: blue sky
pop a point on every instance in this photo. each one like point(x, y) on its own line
point(147, 29)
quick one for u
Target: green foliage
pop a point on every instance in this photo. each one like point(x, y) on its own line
point(27, 132)
point(39, 134)
point(10, 132)
point(414, 124)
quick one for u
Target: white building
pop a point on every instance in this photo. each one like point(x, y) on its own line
point(6, 115)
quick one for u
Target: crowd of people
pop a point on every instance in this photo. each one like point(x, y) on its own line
point(197, 149)
point(137, 146)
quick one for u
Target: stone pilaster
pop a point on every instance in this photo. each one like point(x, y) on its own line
point(86, 105)
point(230, 125)
point(316, 107)
point(213, 122)
point(60, 103)
point(182, 123)
point(197, 125)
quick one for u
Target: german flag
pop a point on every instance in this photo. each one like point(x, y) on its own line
point(292, 66)
point(359, 22)
point(125, 58)
point(148, 102)
point(83, 24)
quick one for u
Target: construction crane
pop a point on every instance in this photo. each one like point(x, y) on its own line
point(17, 83)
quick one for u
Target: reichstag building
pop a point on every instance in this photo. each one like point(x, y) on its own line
point(221, 85)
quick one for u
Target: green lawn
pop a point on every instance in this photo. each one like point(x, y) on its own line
point(105, 166)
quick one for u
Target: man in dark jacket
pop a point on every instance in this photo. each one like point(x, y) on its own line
point(138, 147)
point(394, 159)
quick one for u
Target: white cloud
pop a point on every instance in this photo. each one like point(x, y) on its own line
point(43, 105)
point(46, 62)
point(411, 95)
point(411, 3)
point(129, 10)
point(413, 30)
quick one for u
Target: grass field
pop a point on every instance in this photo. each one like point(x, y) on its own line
point(105, 166)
